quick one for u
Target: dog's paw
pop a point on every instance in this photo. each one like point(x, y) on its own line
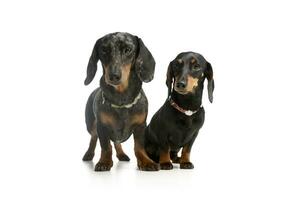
point(103, 166)
point(166, 166)
point(88, 156)
point(186, 165)
point(151, 166)
point(123, 157)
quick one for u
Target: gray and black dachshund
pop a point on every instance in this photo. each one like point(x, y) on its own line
point(176, 124)
point(119, 106)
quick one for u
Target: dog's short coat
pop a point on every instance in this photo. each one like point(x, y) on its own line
point(119, 106)
point(176, 124)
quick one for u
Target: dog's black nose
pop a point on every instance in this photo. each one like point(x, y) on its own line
point(181, 85)
point(114, 77)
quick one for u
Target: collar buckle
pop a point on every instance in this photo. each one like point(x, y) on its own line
point(189, 112)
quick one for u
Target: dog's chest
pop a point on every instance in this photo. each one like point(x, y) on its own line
point(184, 130)
point(121, 123)
point(184, 124)
point(127, 120)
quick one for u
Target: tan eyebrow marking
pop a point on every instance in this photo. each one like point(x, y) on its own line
point(193, 60)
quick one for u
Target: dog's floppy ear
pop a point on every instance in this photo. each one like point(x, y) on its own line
point(145, 63)
point(210, 81)
point(92, 65)
point(170, 78)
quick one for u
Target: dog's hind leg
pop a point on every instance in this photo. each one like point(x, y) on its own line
point(89, 155)
point(152, 151)
point(174, 155)
point(143, 161)
point(120, 153)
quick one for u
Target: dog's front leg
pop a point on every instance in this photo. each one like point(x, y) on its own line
point(105, 162)
point(185, 162)
point(164, 158)
point(143, 161)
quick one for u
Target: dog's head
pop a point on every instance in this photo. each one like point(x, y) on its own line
point(187, 71)
point(121, 53)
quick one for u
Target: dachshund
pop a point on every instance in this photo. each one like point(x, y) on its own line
point(119, 106)
point(176, 124)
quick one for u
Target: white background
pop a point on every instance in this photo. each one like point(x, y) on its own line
point(249, 145)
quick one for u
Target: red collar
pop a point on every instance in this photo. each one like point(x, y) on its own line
point(177, 107)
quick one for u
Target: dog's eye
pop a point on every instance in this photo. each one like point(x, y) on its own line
point(196, 67)
point(127, 50)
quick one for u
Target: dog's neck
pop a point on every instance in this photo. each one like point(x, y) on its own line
point(125, 97)
point(191, 101)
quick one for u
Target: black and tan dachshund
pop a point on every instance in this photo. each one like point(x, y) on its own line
point(119, 106)
point(176, 124)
